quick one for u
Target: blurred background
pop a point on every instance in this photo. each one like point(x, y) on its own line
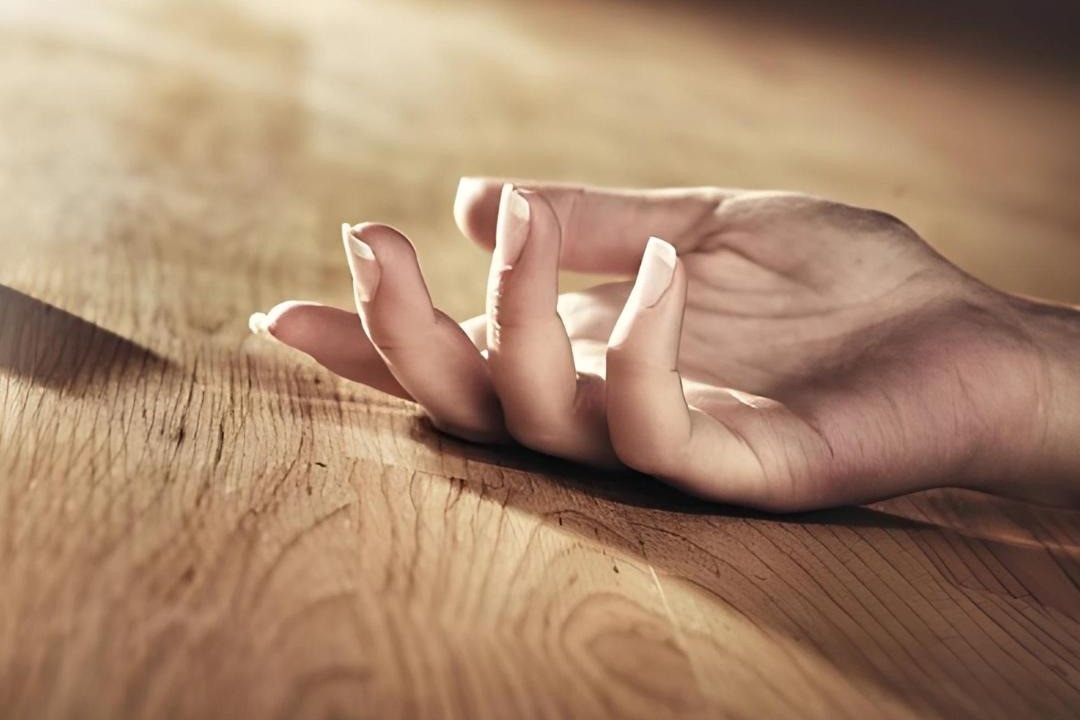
point(201, 145)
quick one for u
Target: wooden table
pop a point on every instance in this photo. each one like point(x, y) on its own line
point(197, 523)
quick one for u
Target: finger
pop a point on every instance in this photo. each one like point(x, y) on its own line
point(333, 337)
point(427, 352)
point(603, 230)
point(652, 428)
point(529, 353)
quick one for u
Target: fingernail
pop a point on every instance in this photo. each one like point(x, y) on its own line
point(259, 324)
point(468, 190)
point(512, 229)
point(468, 185)
point(654, 275)
point(362, 264)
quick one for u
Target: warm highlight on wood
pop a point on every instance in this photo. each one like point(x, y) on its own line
point(196, 523)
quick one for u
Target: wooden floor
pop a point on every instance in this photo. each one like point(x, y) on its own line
point(196, 523)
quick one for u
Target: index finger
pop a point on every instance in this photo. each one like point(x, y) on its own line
point(604, 230)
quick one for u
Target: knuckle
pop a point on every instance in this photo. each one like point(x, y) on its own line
point(646, 450)
point(713, 199)
point(390, 334)
point(559, 425)
point(391, 339)
point(864, 219)
point(540, 440)
point(537, 430)
point(473, 431)
point(626, 364)
point(626, 361)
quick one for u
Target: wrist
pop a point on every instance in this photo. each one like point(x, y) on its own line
point(1044, 455)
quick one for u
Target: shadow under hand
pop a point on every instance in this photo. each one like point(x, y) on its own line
point(52, 347)
point(636, 490)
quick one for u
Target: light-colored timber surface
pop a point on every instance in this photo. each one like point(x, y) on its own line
point(196, 523)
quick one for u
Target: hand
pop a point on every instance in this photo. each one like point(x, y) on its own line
point(797, 353)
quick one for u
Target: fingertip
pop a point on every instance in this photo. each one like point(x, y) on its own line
point(476, 209)
point(650, 324)
point(396, 260)
point(332, 337)
point(381, 240)
point(523, 280)
point(353, 243)
point(296, 323)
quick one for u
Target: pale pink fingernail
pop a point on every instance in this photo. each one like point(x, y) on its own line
point(654, 275)
point(263, 323)
point(259, 324)
point(512, 228)
point(362, 264)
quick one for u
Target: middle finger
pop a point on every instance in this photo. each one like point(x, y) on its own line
point(546, 405)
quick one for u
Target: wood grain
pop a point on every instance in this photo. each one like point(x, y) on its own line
point(195, 523)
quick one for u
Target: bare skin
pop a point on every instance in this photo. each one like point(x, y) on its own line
point(798, 354)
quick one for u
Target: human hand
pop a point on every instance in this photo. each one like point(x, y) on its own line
point(798, 353)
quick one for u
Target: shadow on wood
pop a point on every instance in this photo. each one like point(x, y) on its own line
point(641, 491)
point(686, 527)
point(52, 347)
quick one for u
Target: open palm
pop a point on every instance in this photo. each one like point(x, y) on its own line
point(799, 353)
